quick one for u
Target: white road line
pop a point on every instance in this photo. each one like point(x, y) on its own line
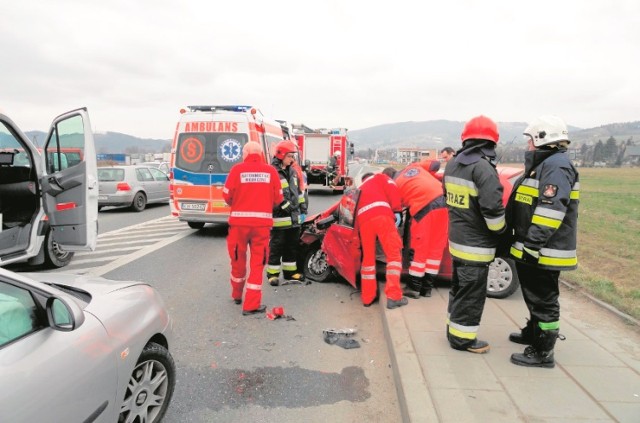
point(98, 251)
point(102, 270)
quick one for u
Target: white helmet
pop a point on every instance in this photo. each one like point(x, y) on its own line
point(337, 153)
point(547, 130)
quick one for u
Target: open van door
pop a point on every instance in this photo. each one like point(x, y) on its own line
point(69, 188)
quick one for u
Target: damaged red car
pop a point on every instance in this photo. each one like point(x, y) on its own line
point(330, 246)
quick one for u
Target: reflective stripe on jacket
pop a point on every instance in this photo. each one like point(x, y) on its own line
point(543, 211)
point(476, 212)
point(287, 215)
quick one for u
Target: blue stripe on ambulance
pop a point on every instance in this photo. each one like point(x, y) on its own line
point(199, 178)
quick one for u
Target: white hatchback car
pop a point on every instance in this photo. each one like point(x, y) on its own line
point(48, 199)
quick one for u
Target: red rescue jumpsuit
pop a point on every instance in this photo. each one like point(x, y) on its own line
point(422, 193)
point(252, 190)
point(379, 199)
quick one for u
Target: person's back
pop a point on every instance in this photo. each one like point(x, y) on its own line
point(417, 188)
point(379, 195)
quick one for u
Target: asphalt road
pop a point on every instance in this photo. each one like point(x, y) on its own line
point(249, 368)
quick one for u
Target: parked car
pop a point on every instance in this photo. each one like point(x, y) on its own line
point(329, 245)
point(47, 197)
point(133, 186)
point(163, 166)
point(79, 349)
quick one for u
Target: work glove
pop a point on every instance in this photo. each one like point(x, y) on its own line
point(398, 219)
point(302, 218)
point(530, 256)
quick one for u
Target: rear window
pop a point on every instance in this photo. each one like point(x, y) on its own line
point(210, 152)
point(110, 175)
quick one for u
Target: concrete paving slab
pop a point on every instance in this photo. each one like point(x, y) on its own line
point(459, 405)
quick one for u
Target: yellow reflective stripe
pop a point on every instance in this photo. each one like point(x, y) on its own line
point(461, 331)
point(284, 183)
point(549, 325)
point(558, 262)
point(289, 267)
point(495, 224)
point(575, 195)
point(273, 268)
point(533, 192)
point(546, 221)
point(281, 221)
point(461, 189)
point(515, 252)
point(488, 257)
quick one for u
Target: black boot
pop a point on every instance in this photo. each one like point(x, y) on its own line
point(525, 336)
point(412, 290)
point(427, 286)
point(540, 354)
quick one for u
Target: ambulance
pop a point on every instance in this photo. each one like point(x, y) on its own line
point(207, 143)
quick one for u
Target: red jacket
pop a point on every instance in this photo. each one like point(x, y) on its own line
point(252, 190)
point(418, 188)
point(379, 195)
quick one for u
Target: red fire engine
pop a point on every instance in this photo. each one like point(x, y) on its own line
point(324, 155)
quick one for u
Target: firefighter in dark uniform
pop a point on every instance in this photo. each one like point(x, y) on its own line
point(285, 233)
point(476, 219)
point(543, 210)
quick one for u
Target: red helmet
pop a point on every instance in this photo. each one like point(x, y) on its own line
point(480, 128)
point(285, 147)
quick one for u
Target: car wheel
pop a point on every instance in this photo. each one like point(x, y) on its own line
point(100, 208)
point(139, 202)
point(196, 225)
point(315, 266)
point(503, 278)
point(54, 256)
point(150, 386)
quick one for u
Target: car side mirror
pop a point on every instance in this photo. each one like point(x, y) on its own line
point(64, 315)
point(324, 223)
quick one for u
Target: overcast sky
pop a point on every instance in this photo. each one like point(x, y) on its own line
point(341, 63)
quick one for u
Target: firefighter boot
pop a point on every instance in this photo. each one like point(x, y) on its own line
point(412, 290)
point(525, 336)
point(296, 277)
point(540, 354)
point(427, 286)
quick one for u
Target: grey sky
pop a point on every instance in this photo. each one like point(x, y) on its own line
point(346, 63)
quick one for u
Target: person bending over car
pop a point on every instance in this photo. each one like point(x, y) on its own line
point(379, 200)
point(422, 193)
point(476, 219)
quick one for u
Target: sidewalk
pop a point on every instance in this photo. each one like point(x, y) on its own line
point(596, 378)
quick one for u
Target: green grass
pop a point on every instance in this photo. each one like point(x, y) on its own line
point(609, 237)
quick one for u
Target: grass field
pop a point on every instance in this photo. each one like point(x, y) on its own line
point(609, 237)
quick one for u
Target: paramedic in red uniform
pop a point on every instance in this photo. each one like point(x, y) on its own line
point(378, 202)
point(422, 193)
point(252, 190)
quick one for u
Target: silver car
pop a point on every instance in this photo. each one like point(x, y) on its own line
point(74, 349)
point(133, 186)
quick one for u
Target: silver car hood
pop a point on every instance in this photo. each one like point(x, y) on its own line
point(94, 285)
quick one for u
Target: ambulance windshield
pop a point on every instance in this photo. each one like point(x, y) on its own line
point(209, 152)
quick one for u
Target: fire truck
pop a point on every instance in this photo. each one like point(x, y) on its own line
point(323, 154)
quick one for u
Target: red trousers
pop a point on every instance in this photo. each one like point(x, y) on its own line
point(384, 229)
point(257, 240)
point(428, 240)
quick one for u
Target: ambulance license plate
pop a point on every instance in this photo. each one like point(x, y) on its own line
point(193, 206)
point(102, 197)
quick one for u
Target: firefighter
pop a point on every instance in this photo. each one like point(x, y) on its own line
point(333, 168)
point(543, 210)
point(422, 193)
point(285, 233)
point(476, 219)
point(252, 190)
point(378, 204)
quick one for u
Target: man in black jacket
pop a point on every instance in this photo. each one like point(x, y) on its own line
point(476, 219)
point(543, 211)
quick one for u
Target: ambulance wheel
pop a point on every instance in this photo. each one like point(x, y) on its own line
point(503, 278)
point(139, 202)
point(315, 266)
point(196, 225)
point(54, 256)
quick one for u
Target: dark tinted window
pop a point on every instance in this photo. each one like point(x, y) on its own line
point(214, 152)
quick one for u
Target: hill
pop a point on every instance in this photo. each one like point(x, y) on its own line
point(115, 143)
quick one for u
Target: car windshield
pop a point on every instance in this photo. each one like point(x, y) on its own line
point(110, 175)
point(211, 152)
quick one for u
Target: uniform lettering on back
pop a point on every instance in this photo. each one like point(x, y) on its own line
point(458, 200)
point(255, 177)
point(521, 198)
